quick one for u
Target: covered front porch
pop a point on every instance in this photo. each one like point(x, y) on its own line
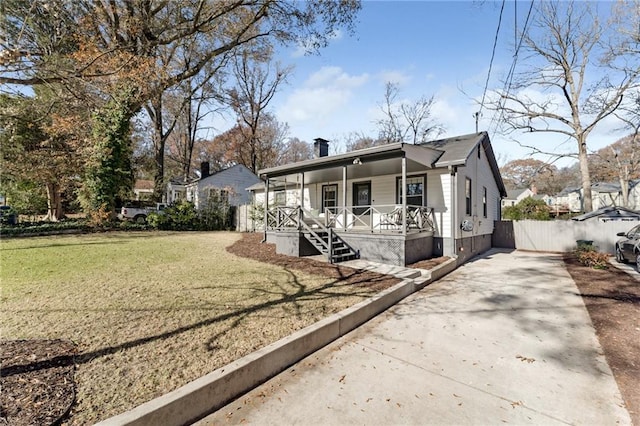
point(369, 203)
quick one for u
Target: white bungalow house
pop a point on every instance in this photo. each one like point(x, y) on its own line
point(228, 185)
point(397, 203)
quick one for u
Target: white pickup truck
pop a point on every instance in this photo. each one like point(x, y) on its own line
point(138, 212)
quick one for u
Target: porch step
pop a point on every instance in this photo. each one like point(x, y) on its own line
point(340, 251)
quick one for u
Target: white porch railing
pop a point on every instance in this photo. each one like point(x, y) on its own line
point(283, 218)
point(379, 218)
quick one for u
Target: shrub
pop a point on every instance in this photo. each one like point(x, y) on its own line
point(181, 216)
point(529, 208)
point(589, 256)
point(38, 228)
point(101, 217)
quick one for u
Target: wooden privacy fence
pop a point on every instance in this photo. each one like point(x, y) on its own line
point(557, 235)
point(244, 222)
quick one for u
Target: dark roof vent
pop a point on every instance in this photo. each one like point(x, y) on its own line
point(320, 147)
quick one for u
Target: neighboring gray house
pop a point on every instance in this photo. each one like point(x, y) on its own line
point(609, 214)
point(397, 203)
point(229, 185)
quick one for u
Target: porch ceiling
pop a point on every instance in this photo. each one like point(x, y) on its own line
point(360, 164)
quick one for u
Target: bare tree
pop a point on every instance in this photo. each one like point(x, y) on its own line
point(257, 81)
point(575, 90)
point(296, 150)
point(619, 161)
point(406, 121)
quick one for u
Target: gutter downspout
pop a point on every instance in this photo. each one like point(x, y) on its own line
point(266, 209)
point(453, 172)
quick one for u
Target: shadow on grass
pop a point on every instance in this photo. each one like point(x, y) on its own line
point(357, 278)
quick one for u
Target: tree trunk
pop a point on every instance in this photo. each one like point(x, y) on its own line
point(54, 202)
point(585, 175)
point(159, 142)
point(624, 188)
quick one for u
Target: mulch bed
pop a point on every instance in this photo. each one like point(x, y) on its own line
point(250, 246)
point(37, 381)
point(612, 298)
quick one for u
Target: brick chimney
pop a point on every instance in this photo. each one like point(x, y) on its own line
point(320, 147)
point(204, 169)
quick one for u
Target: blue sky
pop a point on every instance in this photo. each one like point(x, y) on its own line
point(440, 48)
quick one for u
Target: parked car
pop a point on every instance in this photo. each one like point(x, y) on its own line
point(137, 212)
point(8, 215)
point(628, 247)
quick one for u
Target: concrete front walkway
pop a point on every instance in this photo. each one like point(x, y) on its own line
point(503, 339)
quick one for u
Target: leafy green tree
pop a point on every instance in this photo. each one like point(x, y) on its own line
point(529, 208)
point(105, 45)
point(109, 174)
point(25, 196)
point(39, 143)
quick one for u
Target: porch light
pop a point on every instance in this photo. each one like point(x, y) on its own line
point(357, 161)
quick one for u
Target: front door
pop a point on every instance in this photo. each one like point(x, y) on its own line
point(361, 197)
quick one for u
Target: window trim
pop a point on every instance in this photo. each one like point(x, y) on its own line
point(468, 196)
point(424, 188)
point(484, 201)
point(277, 192)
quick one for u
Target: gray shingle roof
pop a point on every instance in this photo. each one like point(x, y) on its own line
point(611, 211)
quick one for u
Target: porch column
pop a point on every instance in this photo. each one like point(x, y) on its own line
point(344, 197)
point(266, 208)
point(302, 190)
point(404, 196)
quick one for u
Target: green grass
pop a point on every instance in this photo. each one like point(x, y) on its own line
point(153, 311)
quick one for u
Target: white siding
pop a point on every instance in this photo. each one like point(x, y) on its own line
point(479, 171)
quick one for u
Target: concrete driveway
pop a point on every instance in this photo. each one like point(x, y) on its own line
point(503, 339)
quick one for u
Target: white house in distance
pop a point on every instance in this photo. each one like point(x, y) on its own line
point(514, 196)
point(603, 194)
point(228, 185)
point(397, 203)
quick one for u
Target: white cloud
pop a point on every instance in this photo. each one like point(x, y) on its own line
point(324, 94)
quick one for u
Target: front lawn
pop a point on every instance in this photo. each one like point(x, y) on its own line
point(153, 311)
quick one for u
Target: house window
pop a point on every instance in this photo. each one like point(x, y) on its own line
point(415, 190)
point(484, 201)
point(220, 196)
point(467, 195)
point(329, 196)
point(280, 198)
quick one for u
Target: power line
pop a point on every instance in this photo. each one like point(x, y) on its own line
point(507, 84)
point(493, 54)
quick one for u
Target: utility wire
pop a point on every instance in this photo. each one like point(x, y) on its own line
point(493, 54)
point(508, 81)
